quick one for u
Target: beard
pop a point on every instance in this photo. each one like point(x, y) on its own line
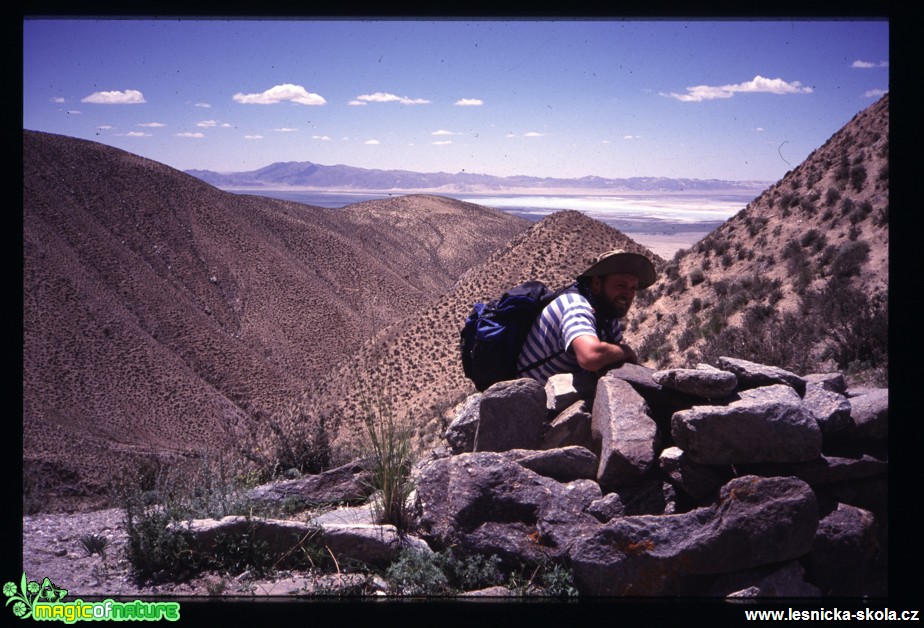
point(612, 309)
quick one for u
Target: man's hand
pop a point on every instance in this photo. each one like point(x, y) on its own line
point(630, 354)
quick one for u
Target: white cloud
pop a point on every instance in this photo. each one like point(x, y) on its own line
point(134, 134)
point(759, 129)
point(444, 132)
point(869, 64)
point(371, 142)
point(253, 137)
point(469, 102)
point(442, 142)
point(386, 97)
point(128, 97)
point(631, 137)
point(281, 93)
point(533, 134)
point(285, 129)
point(57, 99)
point(758, 84)
point(604, 141)
point(104, 127)
point(323, 138)
point(207, 123)
point(203, 105)
point(153, 125)
point(875, 93)
point(354, 103)
point(195, 135)
point(510, 135)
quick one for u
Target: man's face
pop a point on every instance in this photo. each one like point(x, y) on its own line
point(614, 294)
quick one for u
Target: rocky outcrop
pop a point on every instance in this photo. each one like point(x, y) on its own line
point(740, 480)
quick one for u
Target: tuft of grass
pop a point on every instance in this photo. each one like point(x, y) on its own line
point(388, 448)
point(94, 544)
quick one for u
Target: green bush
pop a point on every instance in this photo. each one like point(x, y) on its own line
point(442, 573)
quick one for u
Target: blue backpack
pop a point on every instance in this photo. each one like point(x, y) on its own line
point(494, 333)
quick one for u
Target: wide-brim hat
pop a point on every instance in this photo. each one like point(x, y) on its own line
point(623, 263)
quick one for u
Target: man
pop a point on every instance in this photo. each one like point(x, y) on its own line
point(580, 329)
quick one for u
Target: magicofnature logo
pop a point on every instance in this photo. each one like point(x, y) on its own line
point(45, 602)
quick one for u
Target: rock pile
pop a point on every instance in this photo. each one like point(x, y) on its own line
point(735, 480)
point(739, 480)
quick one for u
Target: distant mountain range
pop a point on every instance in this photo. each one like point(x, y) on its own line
point(305, 174)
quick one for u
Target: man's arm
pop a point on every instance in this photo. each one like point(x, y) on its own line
point(593, 354)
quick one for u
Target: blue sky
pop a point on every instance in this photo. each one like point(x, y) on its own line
point(736, 100)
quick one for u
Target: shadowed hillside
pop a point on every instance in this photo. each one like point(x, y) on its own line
point(159, 311)
point(415, 363)
point(799, 278)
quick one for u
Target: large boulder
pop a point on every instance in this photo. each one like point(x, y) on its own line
point(349, 482)
point(754, 375)
point(769, 424)
point(512, 415)
point(757, 521)
point(623, 432)
point(488, 504)
point(461, 432)
point(703, 381)
point(847, 558)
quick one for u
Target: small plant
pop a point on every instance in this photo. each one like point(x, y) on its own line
point(548, 578)
point(94, 544)
point(697, 276)
point(416, 573)
point(388, 449)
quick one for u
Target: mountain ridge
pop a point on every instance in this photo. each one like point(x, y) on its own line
point(308, 175)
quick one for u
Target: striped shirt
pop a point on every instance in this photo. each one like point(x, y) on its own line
point(564, 319)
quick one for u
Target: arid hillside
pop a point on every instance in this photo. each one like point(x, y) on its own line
point(159, 312)
point(799, 278)
point(415, 365)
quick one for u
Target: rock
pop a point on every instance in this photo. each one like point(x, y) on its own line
point(870, 415)
point(512, 416)
point(753, 375)
point(368, 543)
point(485, 503)
point(703, 381)
point(461, 432)
point(571, 427)
point(564, 464)
point(756, 521)
point(349, 482)
point(833, 382)
point(846, 559)
point(830, 409)
point(768, 424)
point(623, 432)
point(495, 591)
point(560, 392)
point(662, 402)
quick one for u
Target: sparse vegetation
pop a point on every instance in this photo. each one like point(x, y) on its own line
point(388, 448)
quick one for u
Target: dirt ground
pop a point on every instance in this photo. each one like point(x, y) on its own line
point(52, 549)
